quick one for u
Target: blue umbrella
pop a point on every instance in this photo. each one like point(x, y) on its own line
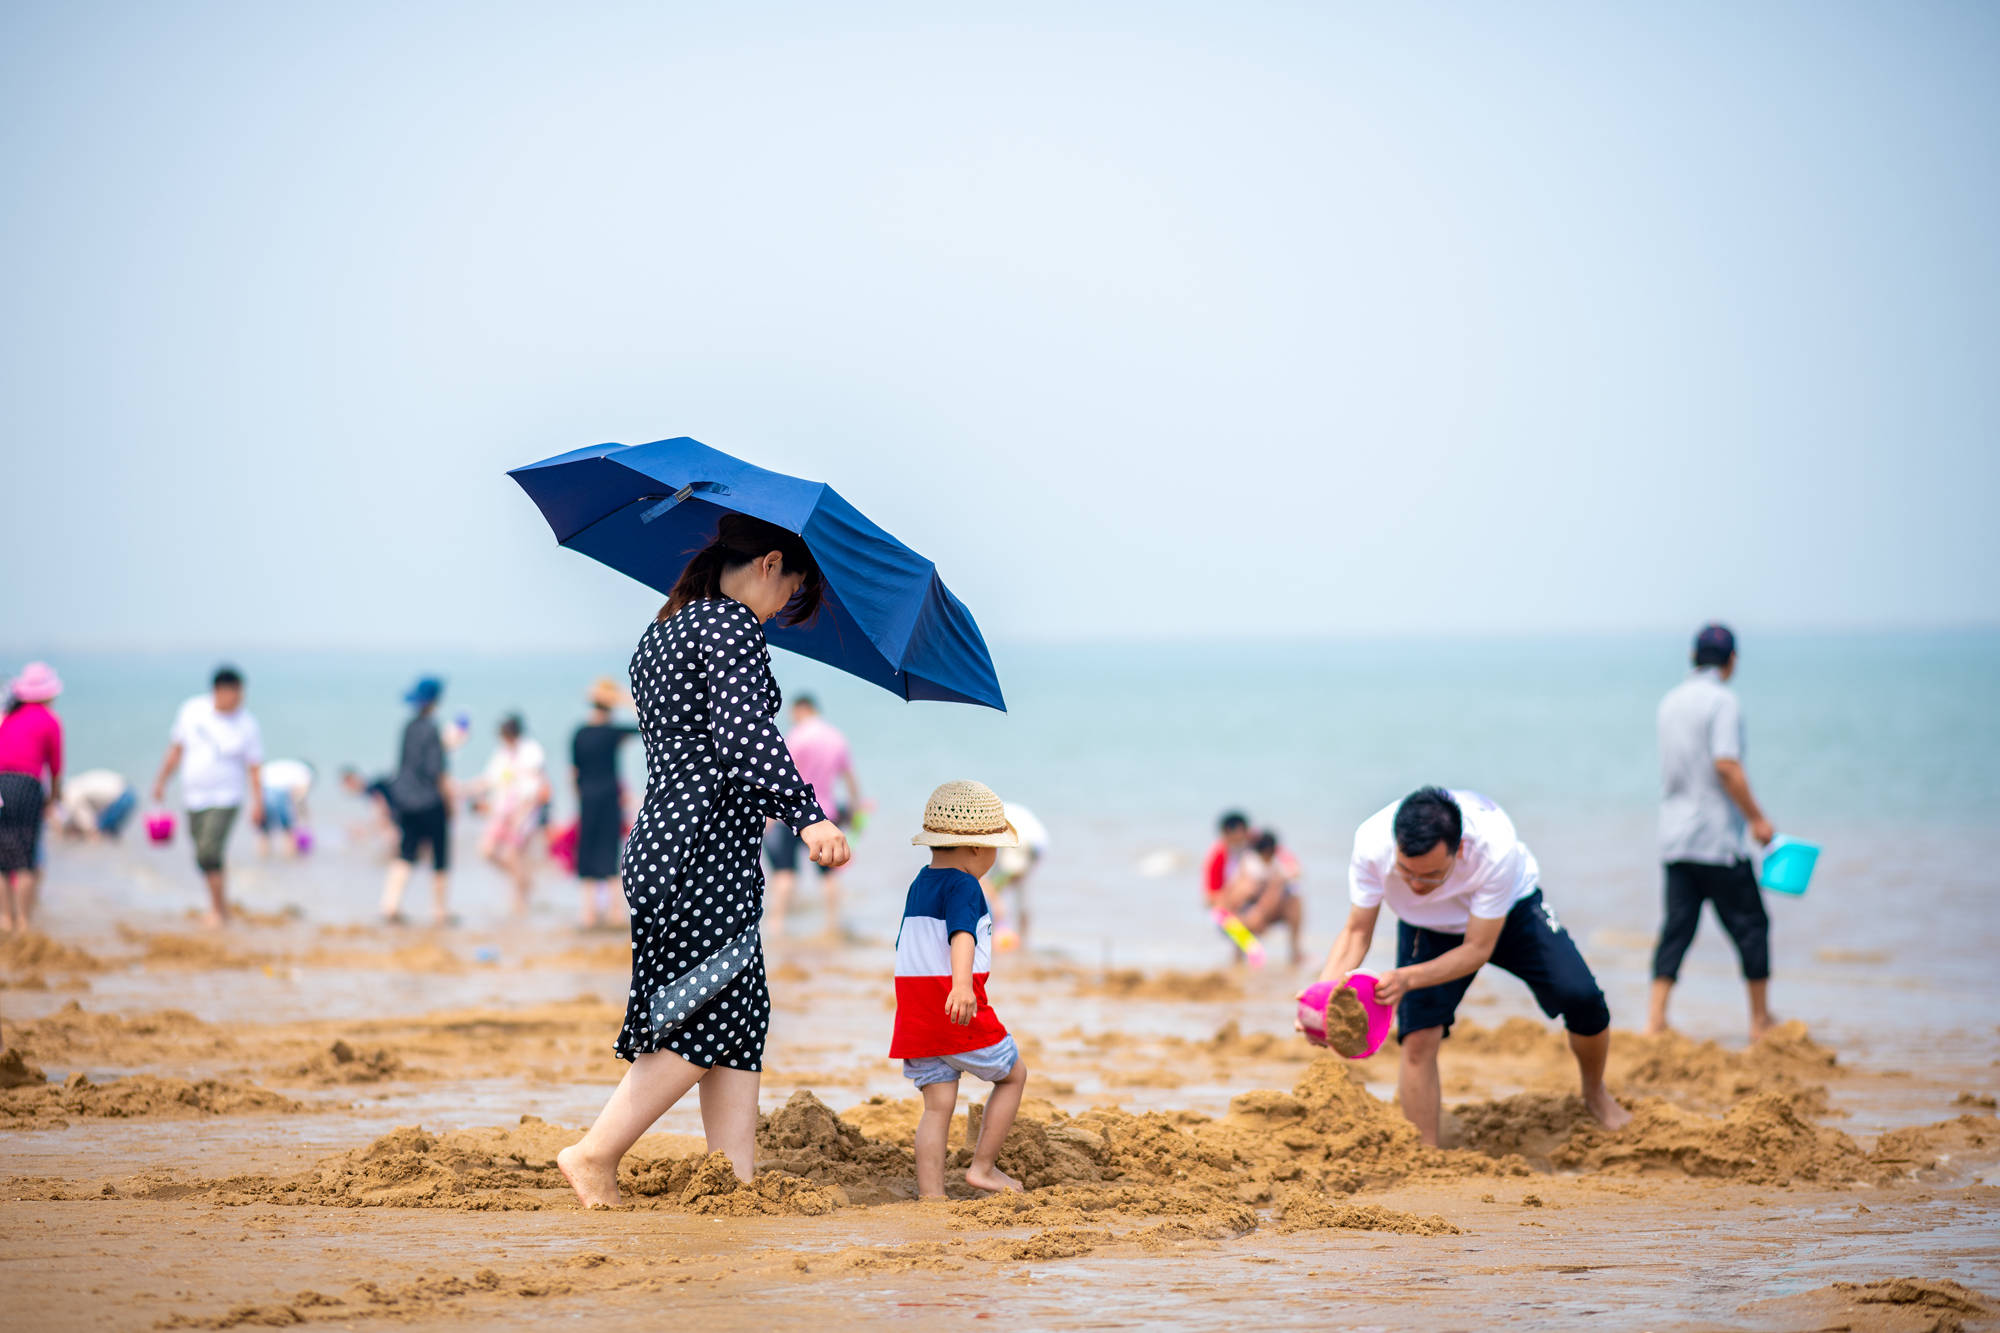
point(887, 617)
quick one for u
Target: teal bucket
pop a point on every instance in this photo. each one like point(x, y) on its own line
point(1788, 865)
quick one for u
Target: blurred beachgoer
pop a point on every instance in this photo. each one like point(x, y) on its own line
point(419, 796)
point(1232, 839)
point(944, 954)
point(1705, 809)
point(1263, 891)
point(287, 783)
point(821, 755)
point(600, 806)
point(514, 791)
point(95, 804)
point(1013, 867)
point(216, 745)
point(31, 745)
point(699, 1006)
point(1466, 891)
point(381, 821)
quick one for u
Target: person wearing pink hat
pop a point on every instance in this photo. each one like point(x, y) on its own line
point(31, 744)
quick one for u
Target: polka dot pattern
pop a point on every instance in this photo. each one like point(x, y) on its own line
point(716, 768)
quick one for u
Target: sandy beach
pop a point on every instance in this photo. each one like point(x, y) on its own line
point(297, 1123)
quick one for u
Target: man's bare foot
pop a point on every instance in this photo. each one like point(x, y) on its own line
point(1606, 1108)
point(1762, 1028)
point(595, 1186)
point(1656, 1028)
point(991, 1178)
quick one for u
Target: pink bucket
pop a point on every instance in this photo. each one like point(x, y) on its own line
point(160, 826)
point(1312, 1012)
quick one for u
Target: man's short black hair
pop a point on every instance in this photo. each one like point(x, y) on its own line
point(1427, 817)
point(1233, 821)
point(227, 675)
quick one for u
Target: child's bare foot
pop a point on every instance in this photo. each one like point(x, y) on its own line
point(1606, 1108)
point(990, 1178)
point(596, 1186)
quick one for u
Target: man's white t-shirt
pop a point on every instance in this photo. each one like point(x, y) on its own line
point(1494, 869)
point(217, 750)
point(287, 775)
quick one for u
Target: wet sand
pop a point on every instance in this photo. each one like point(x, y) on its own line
point(292, 1123)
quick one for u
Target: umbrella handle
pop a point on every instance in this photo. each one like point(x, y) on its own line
point(693, 487)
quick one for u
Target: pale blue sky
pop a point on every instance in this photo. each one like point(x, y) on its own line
point(1141, 320)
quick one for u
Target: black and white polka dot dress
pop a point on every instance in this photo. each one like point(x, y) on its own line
point(715, 767)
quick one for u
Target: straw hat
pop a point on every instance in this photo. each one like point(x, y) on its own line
point(606, 693)
point(965, 814)
point(37, 684)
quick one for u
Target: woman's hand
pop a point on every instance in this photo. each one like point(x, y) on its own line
point(826, 844)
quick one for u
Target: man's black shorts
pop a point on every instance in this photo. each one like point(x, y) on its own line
point(1533, 946)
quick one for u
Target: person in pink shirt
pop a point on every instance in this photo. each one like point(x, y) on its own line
point(31, 744)
point(820, 754)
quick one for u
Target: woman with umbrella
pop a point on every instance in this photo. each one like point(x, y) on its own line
point(706, 700)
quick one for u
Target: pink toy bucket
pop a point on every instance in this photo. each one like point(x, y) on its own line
point(160, 826)
point(1312, 1012)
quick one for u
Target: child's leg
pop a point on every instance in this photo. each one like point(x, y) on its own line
point(940, 1100)
point(649, 1089)
point(993, 1127)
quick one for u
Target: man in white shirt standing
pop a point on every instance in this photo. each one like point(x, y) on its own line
point(1466, 891)
point(220, 754)
point(1705, 809)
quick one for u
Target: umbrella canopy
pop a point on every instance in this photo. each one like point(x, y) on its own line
point(887, 617)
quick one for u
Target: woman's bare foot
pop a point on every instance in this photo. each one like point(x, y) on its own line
point(1606, 1108)
point(991, 1178)
point(1761, 1028)
point(596, 1186)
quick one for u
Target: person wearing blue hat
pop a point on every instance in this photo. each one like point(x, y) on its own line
point(419, 797)
point(1706, 808)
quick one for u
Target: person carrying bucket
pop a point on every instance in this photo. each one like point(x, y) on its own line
point(1466, 891)
point(1705, 809)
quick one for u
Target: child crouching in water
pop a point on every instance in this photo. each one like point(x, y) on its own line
point(944, 1026)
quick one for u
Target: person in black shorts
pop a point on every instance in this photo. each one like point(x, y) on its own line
point(1466, 891)
point(420, 798)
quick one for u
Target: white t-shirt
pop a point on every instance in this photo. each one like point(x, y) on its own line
point(1494, 869)
point(287, 775)
point(514, 774)
point(217, 750)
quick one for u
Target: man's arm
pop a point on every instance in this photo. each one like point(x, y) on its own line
point(1737, 783)
point(963, 1002)
point(1351, 945)
point(256, 795)
point(1482, 933)
point(167, 767)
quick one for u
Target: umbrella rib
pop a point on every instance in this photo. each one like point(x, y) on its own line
point(637, 499)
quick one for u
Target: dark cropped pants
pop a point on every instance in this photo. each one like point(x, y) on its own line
point(1739, 906)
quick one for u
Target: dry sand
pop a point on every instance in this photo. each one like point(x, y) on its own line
point(346, 1155)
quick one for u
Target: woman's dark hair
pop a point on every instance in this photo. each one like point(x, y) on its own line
point(1266, 844)
point(739, 540)
point(1427, 817)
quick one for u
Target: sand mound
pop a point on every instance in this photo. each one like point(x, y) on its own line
point(1301, 1209)
point(16, 1072)
point(1892, 1305)
point(72, 1036)
point(1133, 984)
point(341, 1063)
point(1230, 1042)
point(1767, 1139)
point(708, 1185)
point(32, 951)
point(1938, 1152)
point(805, 1139)
point(195, 952)
point(408, 1168)
point(49, 1106)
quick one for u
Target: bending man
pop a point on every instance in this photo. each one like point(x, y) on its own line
point(1466, 891)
